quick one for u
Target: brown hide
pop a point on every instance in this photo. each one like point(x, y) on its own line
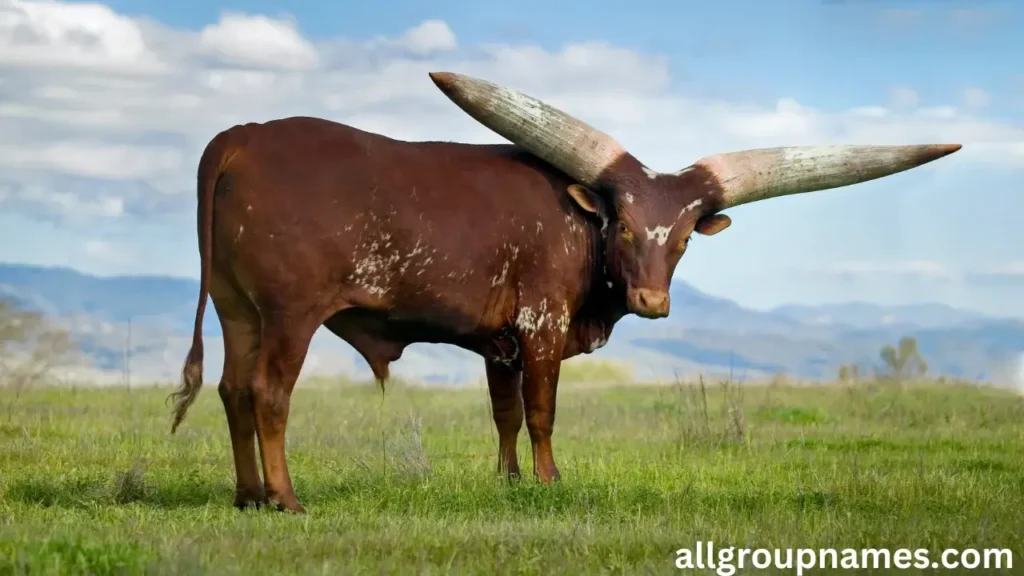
point(305, 222)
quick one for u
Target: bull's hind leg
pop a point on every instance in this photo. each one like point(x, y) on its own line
point(504, 384)
point(240, 328)
point(284, 343)
point(241, 342)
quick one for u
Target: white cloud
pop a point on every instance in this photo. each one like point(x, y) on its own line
point(65, 203)
point(93, 159)
point(105, 253)
point(429, 37)
point(258, 41)
point(101, 97)
point(89, 36)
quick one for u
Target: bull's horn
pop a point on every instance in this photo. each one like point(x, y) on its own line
point(753, 175)
point(574, 147)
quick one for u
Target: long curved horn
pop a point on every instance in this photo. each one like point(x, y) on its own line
point(574, 147)
point(753, 175)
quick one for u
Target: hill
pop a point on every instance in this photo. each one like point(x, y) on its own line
point(704, 334)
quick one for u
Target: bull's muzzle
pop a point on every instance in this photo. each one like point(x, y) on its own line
point(648, 303)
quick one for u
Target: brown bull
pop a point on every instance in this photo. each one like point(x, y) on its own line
point(526, 254)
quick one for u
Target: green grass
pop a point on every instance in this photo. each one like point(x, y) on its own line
point(91, 481)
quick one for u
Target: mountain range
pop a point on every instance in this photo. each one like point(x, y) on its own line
point(704, 334)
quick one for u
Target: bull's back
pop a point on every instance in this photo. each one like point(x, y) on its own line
point(427, 231)
point(306, 167)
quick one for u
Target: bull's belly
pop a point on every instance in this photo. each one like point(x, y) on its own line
point(381, 336)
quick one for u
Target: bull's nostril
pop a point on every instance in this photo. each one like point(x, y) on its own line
point(653, 303)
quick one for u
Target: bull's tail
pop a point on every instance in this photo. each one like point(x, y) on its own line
point(211, 165)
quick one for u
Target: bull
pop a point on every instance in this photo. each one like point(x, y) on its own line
point(525, 253)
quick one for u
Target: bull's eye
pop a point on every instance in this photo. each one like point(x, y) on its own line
point(624, 231)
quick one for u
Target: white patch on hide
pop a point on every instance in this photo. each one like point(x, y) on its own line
point(650, 173)
point(530, 321)
point(513, 253)
point(571, 222)
point(691, 206)
point(659, 234)
point(564, 320)
point(499, 280)
point(377, 267)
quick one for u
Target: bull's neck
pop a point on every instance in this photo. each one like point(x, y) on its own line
point(602, 300)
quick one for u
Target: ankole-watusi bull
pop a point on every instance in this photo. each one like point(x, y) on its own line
point(525, 253)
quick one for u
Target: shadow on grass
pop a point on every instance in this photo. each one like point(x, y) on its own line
point(482, 497)
point(393, 495)
point(87, 493)
point(473, 499)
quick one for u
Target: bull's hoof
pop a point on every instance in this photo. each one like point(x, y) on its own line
point(249, 503)
point(249, 498)
point(548, 476)
point(511, 473)
point(283, 504)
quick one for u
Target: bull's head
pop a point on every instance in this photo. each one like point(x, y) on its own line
point(649, 216)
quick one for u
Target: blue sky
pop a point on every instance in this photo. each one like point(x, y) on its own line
point(105, 108)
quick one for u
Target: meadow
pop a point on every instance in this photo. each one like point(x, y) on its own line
point(91, 482)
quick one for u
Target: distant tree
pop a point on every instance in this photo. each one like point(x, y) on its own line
point(30, 347)
point(903, 360)
point(849, 372)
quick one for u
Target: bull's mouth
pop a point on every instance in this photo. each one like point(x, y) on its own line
point(651, 314)
point(648, 303)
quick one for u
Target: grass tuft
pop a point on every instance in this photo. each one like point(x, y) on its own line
point(130, 485)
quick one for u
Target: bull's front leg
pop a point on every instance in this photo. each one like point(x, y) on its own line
point(507, 407)
point(542, 358)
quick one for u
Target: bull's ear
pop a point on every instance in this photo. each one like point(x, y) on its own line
point(713, 224)
point(586, 199)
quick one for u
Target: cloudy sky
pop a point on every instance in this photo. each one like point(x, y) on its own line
point(105, 109)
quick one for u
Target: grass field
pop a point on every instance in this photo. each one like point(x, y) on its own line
point(91, 481)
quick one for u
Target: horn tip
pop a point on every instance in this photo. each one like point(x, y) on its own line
point(443, 80)
point(936, 151)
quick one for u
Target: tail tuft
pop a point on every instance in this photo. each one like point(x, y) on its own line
point(191, 383)
point(211, 164)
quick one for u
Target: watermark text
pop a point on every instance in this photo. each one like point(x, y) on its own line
point(726, 561)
